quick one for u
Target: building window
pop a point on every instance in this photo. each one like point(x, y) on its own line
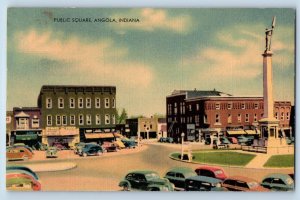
point(247, 118)
point(229, 119)
point(114, 119)
point(98, 119)
point(48, 103)
point(255, 117)
point(205, 118)
point(239, 118)
point(88, 102)
point(197, 107)
point(72, 120)
point(60, 103)
point(190, 107)
point(276, 115)
point(229, 106)
point(287, 116)
point(217, 106)
point(282, 116)
point(107, 119)
point(58, 120)
point(243, 106)
point(175, 108)
point(35, 123)
point(183, 108)
point(113, 102)
point(106, 102)
point(256, 106)
point(217, 118)
point(88, 119)
point(49, 120)
point(80, 120)
point(97, 103)
point(72, 102)
point(64, 120)
point(80, 103)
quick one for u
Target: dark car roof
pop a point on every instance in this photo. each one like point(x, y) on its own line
point(183, 170)
point(143, 172)
point(212, 168)
point(277, 175)
point(204, 179)
point(22, 168)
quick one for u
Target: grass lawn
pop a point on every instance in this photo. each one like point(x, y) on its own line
point(220, 157)
point(280, 161)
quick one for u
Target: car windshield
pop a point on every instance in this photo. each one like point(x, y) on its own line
point(253, 184)
point(152, 176)
point(218, 172)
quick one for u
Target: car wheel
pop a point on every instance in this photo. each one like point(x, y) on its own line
point(125, 187)
point(84, 155)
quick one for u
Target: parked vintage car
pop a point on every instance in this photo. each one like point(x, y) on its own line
point(145, 180)
point(162, 139)
point(241, 183)
point(233, 140)
point(51, 152)
point(78, 147)
point(91, 150)
point(40, 146)
point(129, 144)
point(211, 171)
point(109, 147)
point(169, 140)
point(242, 139)
point(21, 170)
point(120, 144)
point(278, 182)
point(18, 153)
point(178, 175)
point(203, 183)
point(290, 140)
point(59, 146)
point(22, 182)
point(23, 145)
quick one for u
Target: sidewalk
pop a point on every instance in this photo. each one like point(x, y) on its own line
point(259, 161)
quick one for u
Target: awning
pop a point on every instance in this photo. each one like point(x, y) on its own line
point(98, 135)
point(236, 132)
point(26, 137)
point(118, 135)
point(251, 132)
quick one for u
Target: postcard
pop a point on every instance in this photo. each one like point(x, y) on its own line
point(150, 99)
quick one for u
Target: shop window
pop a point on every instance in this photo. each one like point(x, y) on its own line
point(48, 103)
point(97, 103)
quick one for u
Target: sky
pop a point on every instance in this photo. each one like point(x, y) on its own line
point(169, 49)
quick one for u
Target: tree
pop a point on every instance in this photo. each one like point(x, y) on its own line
point(121, 118)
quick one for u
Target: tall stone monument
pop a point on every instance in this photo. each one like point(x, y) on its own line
point(269, 125)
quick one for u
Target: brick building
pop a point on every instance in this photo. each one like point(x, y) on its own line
point(77, 113)
point(197, 113)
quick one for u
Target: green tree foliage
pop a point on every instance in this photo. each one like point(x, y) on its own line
point(121, 118)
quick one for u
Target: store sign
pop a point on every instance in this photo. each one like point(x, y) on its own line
point(61, 131)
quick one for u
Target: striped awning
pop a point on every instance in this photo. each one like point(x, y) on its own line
point(98, 135)
point(236, 132)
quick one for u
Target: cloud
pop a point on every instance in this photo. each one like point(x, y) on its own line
point(99, 60)
point(155, 19)
point(237, 53)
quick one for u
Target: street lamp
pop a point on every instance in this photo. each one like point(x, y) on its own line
point(182, 139)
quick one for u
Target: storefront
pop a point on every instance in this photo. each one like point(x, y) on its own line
point(28, 137)
point(99, 138)
point(63, 135)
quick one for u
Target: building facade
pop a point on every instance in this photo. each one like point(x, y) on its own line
point(27, 125)
point(146, 127)
point(77, 113)
point(197, 113)
point(9, 126)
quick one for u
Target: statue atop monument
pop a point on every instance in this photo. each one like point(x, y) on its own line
point(269, 33)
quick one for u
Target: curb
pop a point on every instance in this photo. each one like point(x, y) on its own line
point(51, 167)
point(231, 166)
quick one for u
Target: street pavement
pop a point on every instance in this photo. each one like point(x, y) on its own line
point(103, 173)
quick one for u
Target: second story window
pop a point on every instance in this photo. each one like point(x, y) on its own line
point(282, 116)
point(80, 103)
point(287, 116)
point(255, 117)
point(276, 115)
point(113, 103)
point(217, 118)
point(80, 120)
point(72, 103)
point(107, 119)
point(58, 120)
point(88, 102)
point(98, 119)
point(49, 120)
point(106, 102)
point(48, 103)
point(247, 118)
point(88, 119)
point(35, 123)
point(113, 119)
point(72, 119)
point(60, 103)
point(64, 120)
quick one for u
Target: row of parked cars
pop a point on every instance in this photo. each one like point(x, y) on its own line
point(166, 140)
point(203, 178)
point(19, 151)
point(20, 178)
